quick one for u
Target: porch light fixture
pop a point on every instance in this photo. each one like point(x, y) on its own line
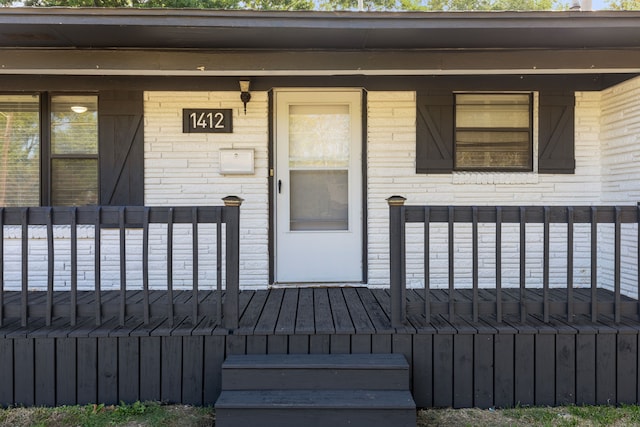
point(245, 96)
point(79, 109)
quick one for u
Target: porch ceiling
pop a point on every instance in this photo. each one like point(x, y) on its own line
point(206, 42)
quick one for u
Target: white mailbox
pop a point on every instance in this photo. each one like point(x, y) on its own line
point(239, 162)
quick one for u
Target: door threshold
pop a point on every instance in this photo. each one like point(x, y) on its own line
point(280, 285)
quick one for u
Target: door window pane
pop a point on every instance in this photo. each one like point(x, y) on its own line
point(319, 200)
point(74, 150)
point(319, 135)
point(19, 150)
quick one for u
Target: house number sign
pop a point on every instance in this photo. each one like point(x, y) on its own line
point(207, 121)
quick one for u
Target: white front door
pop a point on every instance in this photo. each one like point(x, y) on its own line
point(318, 179)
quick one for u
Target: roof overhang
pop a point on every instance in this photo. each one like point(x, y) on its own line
point(223, 43)
point(316, 63)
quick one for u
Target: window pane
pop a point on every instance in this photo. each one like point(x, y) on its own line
point(74, 182)
point(319, 135)
point(19, 150)
point(74, 125)
point(74, 150)
point(490, 150)
point(492, 111)
point(319, 200)
point(493, 131)
point(492, 116)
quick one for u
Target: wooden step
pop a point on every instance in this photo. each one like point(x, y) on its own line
point(316, 408)
point(316, 371)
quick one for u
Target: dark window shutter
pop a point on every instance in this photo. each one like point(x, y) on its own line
point(121, 139)
point(434, 132)
point(556, 146)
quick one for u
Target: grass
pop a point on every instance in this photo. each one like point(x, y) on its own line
point(565, 416)
point(151, 414)
point(136, 414)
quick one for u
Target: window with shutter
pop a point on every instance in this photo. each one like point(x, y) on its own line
point(60, 149)
point(493, 132)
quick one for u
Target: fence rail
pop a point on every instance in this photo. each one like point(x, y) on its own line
point(542, 301)
point(122, 218)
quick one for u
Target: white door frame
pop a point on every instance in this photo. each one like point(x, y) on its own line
point(340, 246)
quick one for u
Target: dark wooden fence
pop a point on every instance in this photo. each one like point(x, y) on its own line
point(598, 302)
point(74, 303)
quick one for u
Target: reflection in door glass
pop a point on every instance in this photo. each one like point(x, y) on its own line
point(319, 200)
point(319, 136)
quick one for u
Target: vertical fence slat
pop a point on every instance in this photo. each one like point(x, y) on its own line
point(617, 256)
point(170, 266)
point(499, 264)
point(594, 264)
point(123, 264)
point(97, 268)
point(545, 279)
point(73, 305)
point(1, 266)
point(523, 261)
point(232, 257)
point(397, 254)
point(570, 256)
point(145, 265)
point(219, 270)
point(194, 230)
point(475, 262)
point(50, 267)
point(451, 264)
point(427, 266)
point(25, 268)
point(638, 259)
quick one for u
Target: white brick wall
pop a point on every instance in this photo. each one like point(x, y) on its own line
point(391, 163)
point(620, 138)
point(621, 143)
point(180, 170)
point(183, 169)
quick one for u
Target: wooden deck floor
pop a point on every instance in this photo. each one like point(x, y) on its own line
point(457, 362)
point(301, 311)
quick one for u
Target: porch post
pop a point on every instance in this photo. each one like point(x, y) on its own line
point(231, 308)
point(397, 260)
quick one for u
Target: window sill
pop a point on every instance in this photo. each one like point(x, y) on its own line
point(495, 178)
